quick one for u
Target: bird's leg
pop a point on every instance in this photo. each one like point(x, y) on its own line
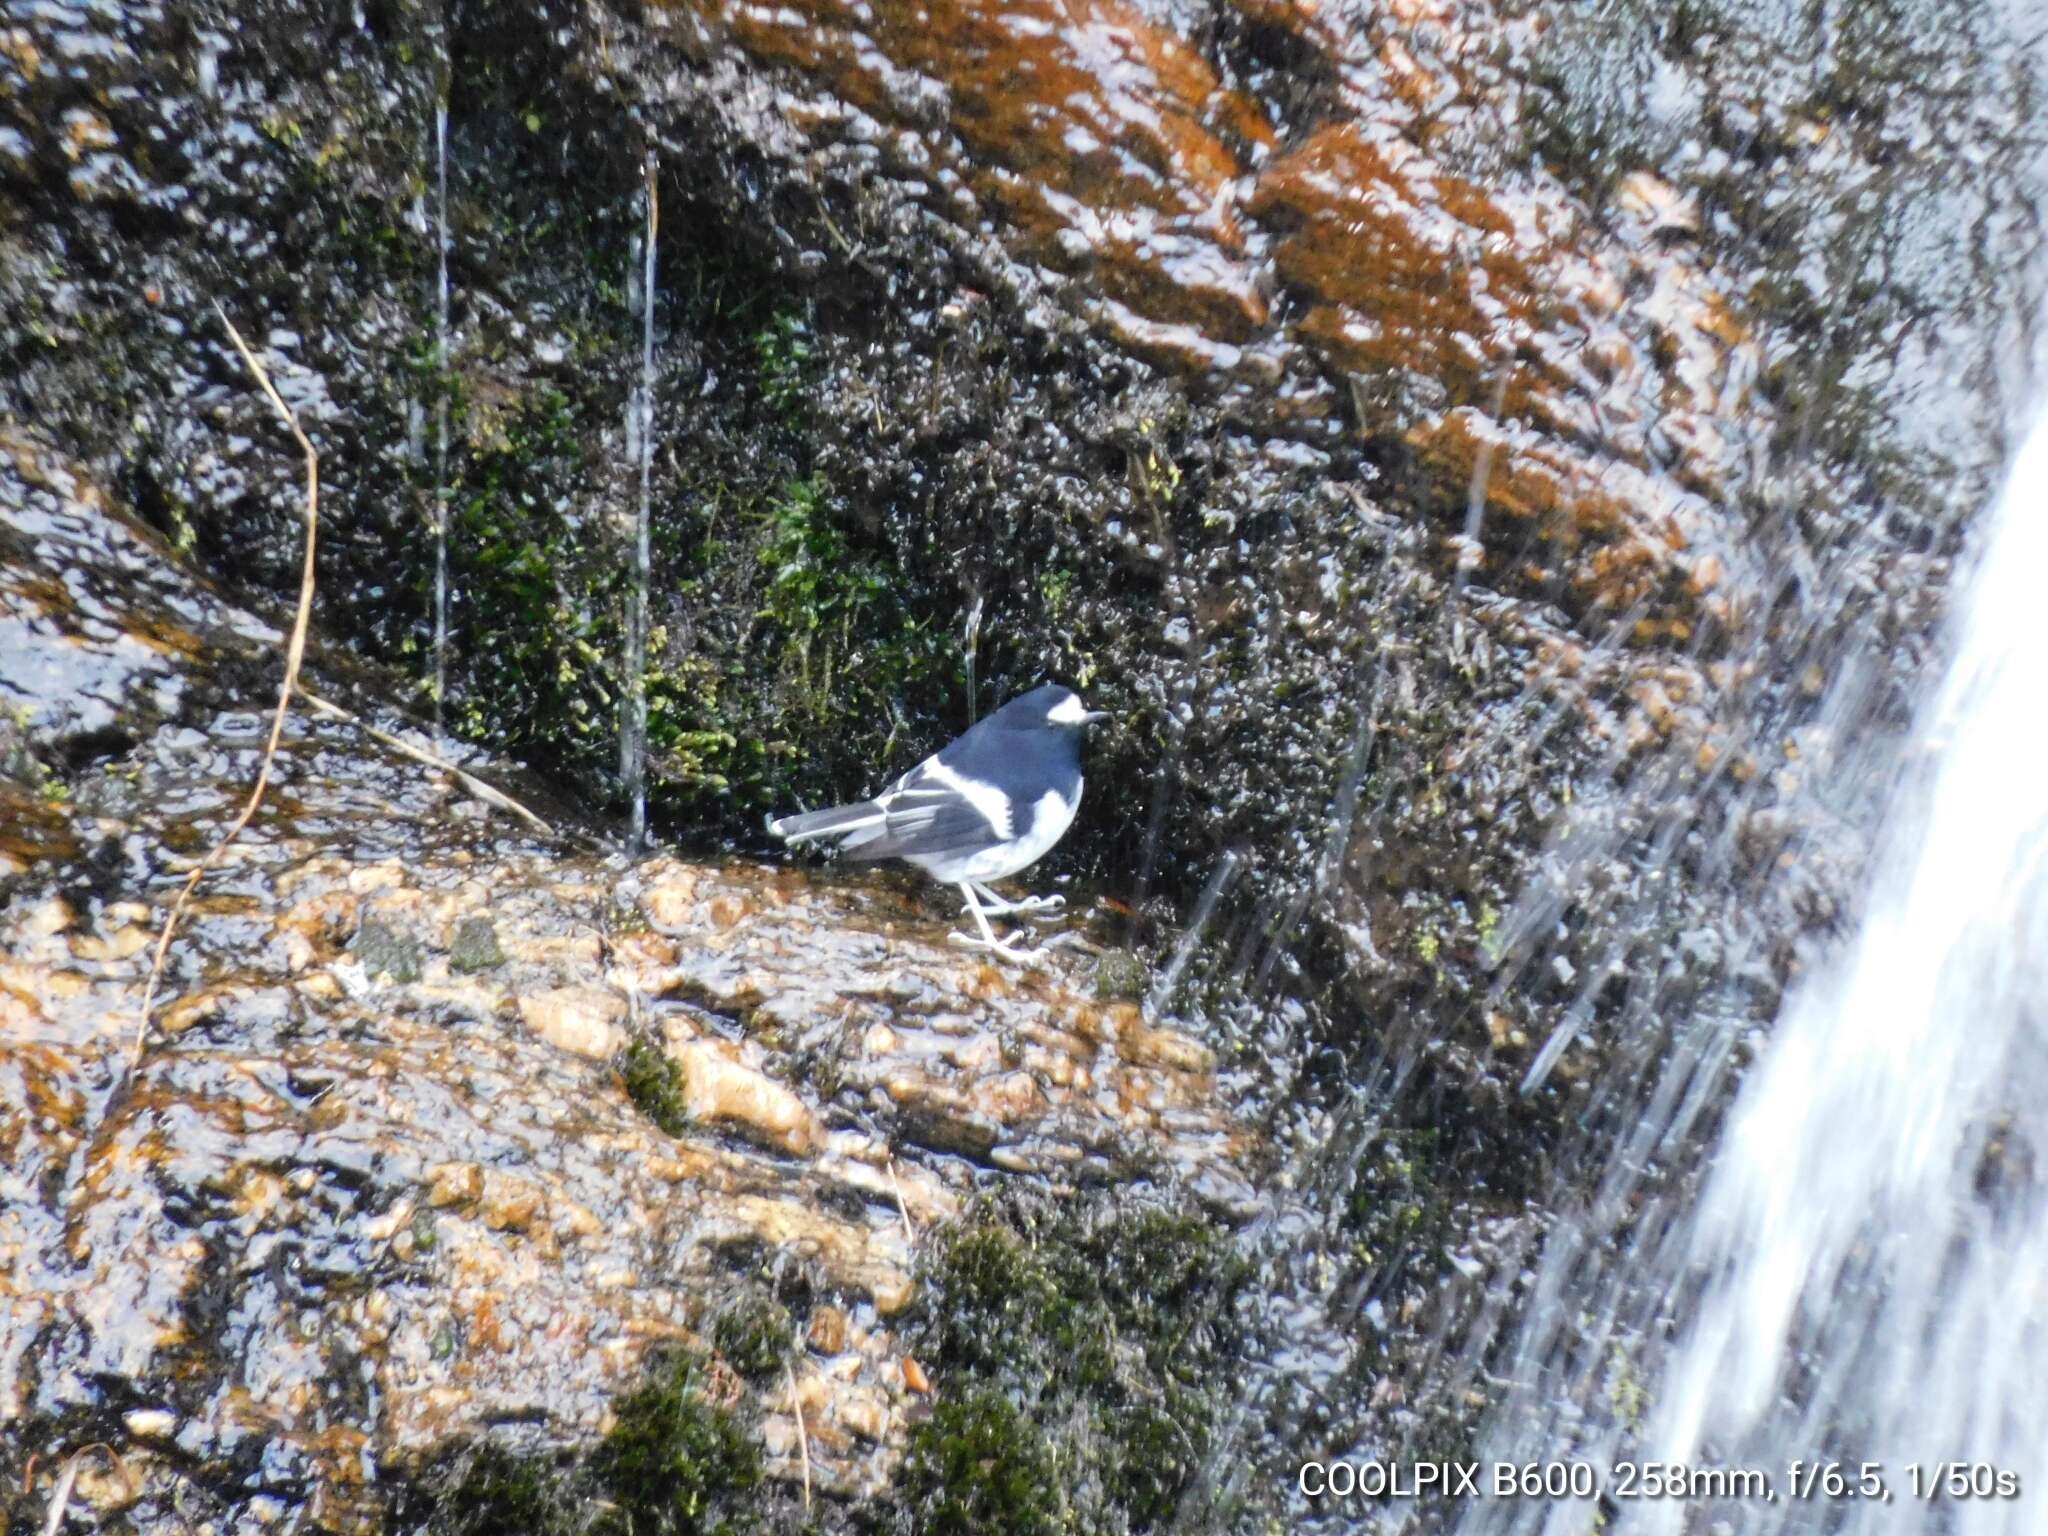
point(988, 934)
point(997, 907)
point(988, 940)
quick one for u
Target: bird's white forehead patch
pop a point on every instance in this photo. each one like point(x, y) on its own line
point(1069, 711)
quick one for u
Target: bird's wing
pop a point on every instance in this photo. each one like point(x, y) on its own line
point(930, 811)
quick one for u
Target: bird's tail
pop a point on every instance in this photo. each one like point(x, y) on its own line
point(834, 822)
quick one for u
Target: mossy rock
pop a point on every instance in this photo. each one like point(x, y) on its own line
point(655, 1085)
point(1084, 1361)
point(475, 946)
point(383, 949)
point(754, 1335)
point(1121, 976)
point(675, 1464)
point(979, 1465)
point(501, 1493)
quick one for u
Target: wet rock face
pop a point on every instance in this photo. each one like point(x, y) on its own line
point(1144, 305)
point(380, 1186)
point(871, 434)
point(1499, 462)
point(1190, 354)
point(176, 155)
point(1107, 143)
point(1554, 363)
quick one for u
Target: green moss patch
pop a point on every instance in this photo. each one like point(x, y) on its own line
point(475, 946)
point(539, 596)
point(1080, 1363)
point(655, 1085)
point(676, 1464)
point(500, 1493)
point(386, 950)
point(978, 1464)
point(755, 1336)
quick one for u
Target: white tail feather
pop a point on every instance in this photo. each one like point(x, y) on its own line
point(830, 823)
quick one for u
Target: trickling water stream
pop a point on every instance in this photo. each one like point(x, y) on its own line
point(441, 385)
point(640, 444)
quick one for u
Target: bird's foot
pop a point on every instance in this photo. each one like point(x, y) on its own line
point(1010, 948)
point(1044, 909)
point(995, 906)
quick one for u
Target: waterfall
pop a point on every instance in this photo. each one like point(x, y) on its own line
point(440, 414)
point(1872, 1235)
point(640, 441)
point(1857, 1298)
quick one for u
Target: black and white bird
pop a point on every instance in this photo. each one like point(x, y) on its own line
point(990, 804)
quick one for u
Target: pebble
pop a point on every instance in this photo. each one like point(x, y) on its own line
point(583, 1021)
point(718, 1088)
point(150, 1423)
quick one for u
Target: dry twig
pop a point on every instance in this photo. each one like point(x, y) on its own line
point(902, 1209)
point(803, 1439)
point(295, 653)
point(60, 1496)
point(495, 798)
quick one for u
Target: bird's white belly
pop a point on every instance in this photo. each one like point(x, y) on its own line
point(1053, 815)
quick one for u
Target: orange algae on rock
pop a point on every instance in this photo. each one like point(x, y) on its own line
point(1107, 141)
